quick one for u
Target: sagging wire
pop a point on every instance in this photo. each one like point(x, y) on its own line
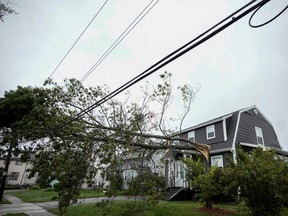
point(265, 23)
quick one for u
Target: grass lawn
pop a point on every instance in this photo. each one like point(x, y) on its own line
point(46, 196)
point(4, 201)
point(129, 208)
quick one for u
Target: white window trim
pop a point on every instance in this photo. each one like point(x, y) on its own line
point(224, 130)
point(210, 126)
point(191, 134)
point(259, 133)
point(217, 156)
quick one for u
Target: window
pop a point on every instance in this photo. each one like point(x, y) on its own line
point(210, 132)
point(217, 160)
point(14, 176)
point(129, 175)
point(259, 136)
point(179, 170)
point(18, 163)
point(191, 136)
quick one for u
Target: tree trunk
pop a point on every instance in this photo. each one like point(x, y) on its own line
point(5, 173)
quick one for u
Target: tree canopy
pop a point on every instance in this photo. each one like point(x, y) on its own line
point(65, 149)
point(5, 9)
point(17, 108)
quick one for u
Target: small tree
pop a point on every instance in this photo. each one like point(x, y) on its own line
point(148, 185)
point(262, 178)
point(192, 170)
point(209, 185)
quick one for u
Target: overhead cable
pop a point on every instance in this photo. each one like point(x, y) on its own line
point(78, 39)
point(174, 55)
point(265, 23)
point(120, 38)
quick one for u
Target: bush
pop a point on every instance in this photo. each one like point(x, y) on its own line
point(209, 185)
point(262, 180)
point(13, 187)
point(35, 187)
point(149, 185)
point(49, 189)
point(132, 208)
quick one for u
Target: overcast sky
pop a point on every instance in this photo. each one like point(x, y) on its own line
point(238, 68)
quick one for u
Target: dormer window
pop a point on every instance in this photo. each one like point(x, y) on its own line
point(259, 136)
point(210, 132)
point(191, 136)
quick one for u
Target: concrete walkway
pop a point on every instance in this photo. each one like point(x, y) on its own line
point(17, 206)
point(40, 209)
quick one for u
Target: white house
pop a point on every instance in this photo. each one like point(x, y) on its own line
point(17, 172)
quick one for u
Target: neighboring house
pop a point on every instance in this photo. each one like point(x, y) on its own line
point(133, 165)
point(17, 172)
point(99, 179)
point(248, 128)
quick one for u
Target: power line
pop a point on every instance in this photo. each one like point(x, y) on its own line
point(78, 39)
point(173, 56)
point(265, 23)
point(120, 38)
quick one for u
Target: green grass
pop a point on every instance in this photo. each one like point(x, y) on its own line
point(46, 196)
point(129, 208)
point(4, 201)
point(132, 208)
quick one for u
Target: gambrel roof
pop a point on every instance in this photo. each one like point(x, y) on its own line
point(238, 127)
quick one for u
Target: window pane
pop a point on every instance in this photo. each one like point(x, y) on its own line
point(210, 131)
point(14, 176)
point(211, 134)
point(217, 161)
point(260, 140)
point(191, 136)
point(259, 136)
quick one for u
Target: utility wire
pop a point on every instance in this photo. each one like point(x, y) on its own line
point(78, 39)
point(120, 38)
point(265, 23)
point(173, 56)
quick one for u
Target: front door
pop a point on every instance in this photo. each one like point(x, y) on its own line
point(179, 174)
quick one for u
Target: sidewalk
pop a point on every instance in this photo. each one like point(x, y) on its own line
point(18, 206)
point(40, 209)
point(54, 204)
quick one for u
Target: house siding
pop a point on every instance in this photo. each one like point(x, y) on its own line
point(21, 169)
point(201, 137)
point(246, 131)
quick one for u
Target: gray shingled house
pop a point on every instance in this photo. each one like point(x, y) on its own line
point(248, 128)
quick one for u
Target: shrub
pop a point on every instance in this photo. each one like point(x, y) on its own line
point(35, 187)
point(262, 180)
point(49, 189)
point(13, 187)
point(209, 185)
point(149, 185)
